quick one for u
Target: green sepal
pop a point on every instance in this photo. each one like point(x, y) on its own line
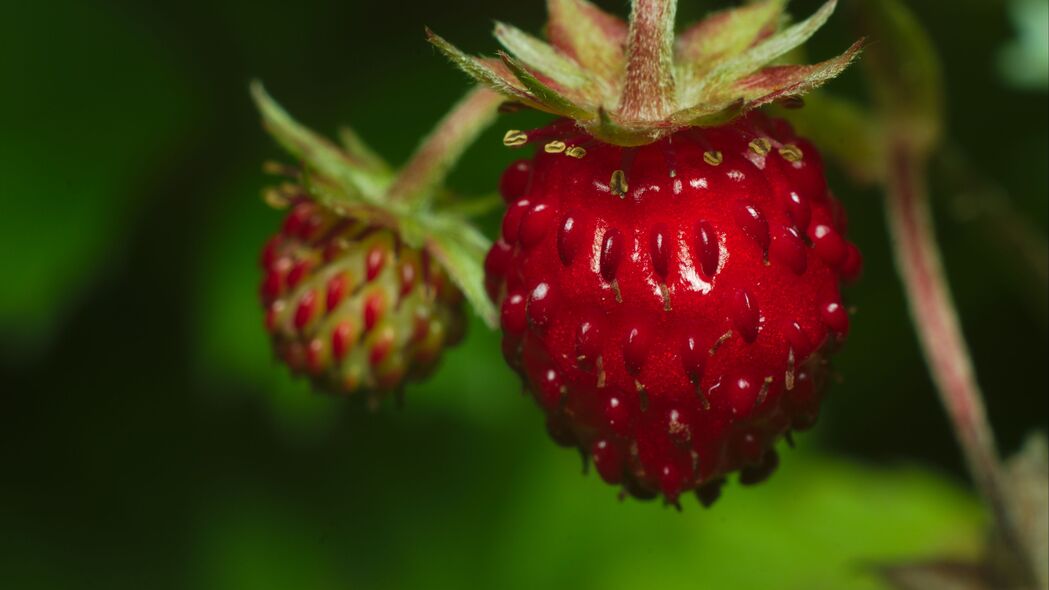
point(550, 98)
point(587, 34)
point(482, 72)
point(361, 153)
point(631, 83)
point(537, 54)
point(752, 59)
point(726, 32)
point(358, 183)
point(460, 249)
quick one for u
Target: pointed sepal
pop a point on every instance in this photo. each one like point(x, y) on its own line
point(358, 183)
point(460, 249)
point(589, 35)
point(633, 84)
point(773, 83)
point(540, 56)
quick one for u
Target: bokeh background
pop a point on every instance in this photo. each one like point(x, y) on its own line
point(148, 439)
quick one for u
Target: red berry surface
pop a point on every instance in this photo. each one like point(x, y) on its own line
point(353, 308)
point(671, 307)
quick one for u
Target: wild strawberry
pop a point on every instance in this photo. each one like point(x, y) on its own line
point(351, 306)
point(363, 285)
point(669, 264)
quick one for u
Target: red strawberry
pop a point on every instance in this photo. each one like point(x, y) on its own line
point(676, 330)
point(352, 307)
point(668, 268)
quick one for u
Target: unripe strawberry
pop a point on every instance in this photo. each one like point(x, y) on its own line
point(351, 306)
point(363, 286)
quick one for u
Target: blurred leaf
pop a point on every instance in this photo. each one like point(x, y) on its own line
point(1024, 62)
point(816, 525)
point(904, 72)
point(65, 208)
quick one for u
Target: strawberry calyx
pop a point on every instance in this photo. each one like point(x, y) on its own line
point(633, 83)
point(352, 182)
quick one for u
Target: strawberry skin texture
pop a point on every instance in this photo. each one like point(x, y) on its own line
point(675, 331)
point(351, 307)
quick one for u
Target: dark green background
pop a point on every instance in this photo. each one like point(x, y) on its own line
point(147, 439)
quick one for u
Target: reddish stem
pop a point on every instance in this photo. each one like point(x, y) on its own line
point(430, 163)
point(936, 320)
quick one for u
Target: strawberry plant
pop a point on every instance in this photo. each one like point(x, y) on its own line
point(667, 275)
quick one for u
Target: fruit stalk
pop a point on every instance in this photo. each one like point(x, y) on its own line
point(936, 321)
point(431, 161)
point(650, 78)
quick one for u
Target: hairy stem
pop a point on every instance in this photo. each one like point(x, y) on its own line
point(649, 89)
point(432, 160)
point(936, 320)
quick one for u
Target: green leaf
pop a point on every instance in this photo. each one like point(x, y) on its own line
point(1028, 499)
point(817, 523)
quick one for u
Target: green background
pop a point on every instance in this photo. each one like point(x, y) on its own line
point(148, 439)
